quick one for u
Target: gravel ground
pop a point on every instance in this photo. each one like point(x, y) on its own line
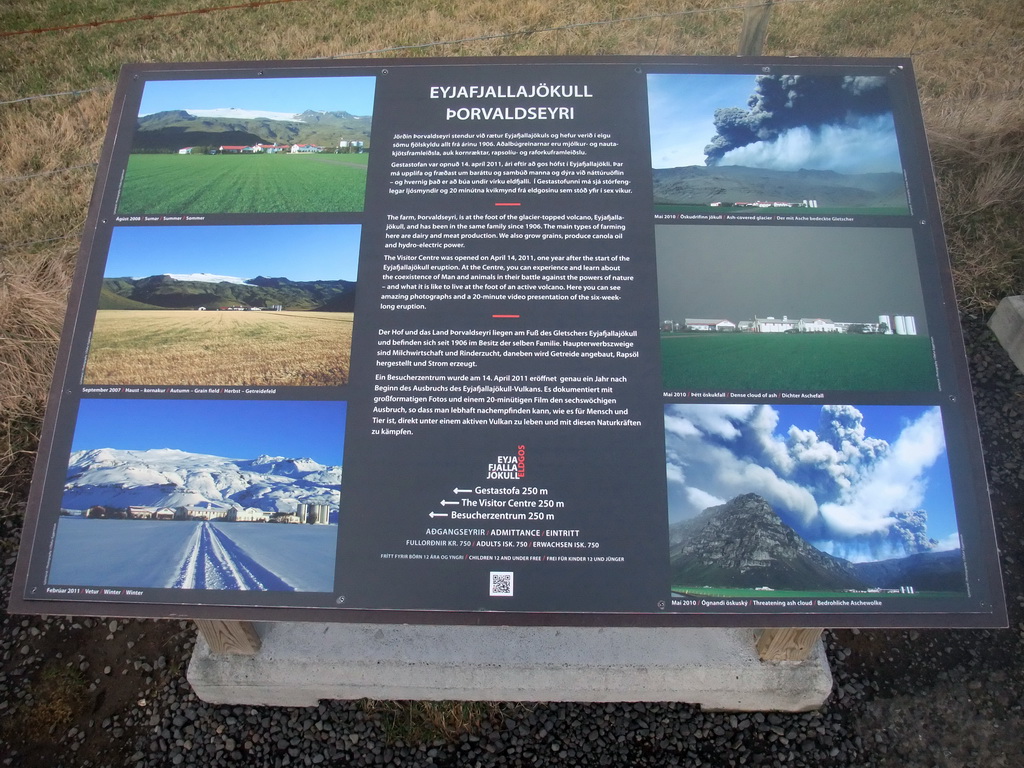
point(92, 692)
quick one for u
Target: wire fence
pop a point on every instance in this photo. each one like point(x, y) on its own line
point(148, 17)
point(958, 50)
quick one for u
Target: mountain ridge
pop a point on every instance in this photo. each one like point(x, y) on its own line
point(703, 185)
point(168, 477)
point(171, 130)
point(169, 292)
point(745, 544)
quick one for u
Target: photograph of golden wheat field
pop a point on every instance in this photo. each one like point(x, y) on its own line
point(207, 306)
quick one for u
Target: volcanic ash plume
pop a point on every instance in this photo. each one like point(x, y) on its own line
point(809, 105)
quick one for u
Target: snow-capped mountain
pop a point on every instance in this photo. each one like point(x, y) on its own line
point(170, 478)
point(206, 277)
point(246, 114)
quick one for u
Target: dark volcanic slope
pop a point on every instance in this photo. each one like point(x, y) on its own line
point(743, 543)
point(701, 185)
point(939, 571)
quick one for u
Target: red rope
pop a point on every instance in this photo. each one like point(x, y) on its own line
point(148, 17)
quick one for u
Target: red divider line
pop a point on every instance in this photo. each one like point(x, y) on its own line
point(505, 316)
point(148, 17)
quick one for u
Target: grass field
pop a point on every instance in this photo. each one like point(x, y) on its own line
point(206, 184)
point(746, 211)
point(796, 594)
point(167, 347)
point(799, 361)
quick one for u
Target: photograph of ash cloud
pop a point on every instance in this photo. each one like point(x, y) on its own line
point(787, 143)
point(803, 309)
point(796, 500)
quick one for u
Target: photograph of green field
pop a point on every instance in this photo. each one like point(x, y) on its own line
point(184, 347)
point(801, 362)
point(779, 213)
point(176, 308)
point(798, 594)
point(250, 146)
point(205, 184)
point(791, 308)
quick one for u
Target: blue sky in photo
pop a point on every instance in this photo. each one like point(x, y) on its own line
point(234, 429)
point(278, 94)
point(844, 493)
point(828, 122)
point(295, 251)
point(682, 111)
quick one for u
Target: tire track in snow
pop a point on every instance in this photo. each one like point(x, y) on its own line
point(187, 574)
point(215, 561)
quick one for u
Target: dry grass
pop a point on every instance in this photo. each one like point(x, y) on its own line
point(168, 347)
point(59, 696)
point(968, 55)
point(421, 722)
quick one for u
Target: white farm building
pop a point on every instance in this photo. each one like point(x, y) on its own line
point(774, 325)
point(708, 324)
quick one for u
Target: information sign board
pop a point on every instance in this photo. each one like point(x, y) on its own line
point(651, 341)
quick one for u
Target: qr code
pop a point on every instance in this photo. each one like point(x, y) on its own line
point(501, 584)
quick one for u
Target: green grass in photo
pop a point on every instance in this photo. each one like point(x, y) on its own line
point(803, 594)
point(208, 184)
point(797, 361)
point(701, 208)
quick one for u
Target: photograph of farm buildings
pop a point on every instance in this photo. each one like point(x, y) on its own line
point(741, 143)
point(275, 145)
point(905, 325)
point(767, 308)
point(809, 500)
point(183, 494)
point(269, 305)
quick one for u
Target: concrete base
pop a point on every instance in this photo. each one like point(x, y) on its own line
point(299, 664)
point(1007, 324)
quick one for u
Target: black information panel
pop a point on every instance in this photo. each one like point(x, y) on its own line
point(648, 341)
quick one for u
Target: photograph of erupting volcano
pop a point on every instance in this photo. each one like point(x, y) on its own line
point(782, 144)
point(833, 501)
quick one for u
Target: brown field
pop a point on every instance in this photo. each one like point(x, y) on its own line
point(167, 347)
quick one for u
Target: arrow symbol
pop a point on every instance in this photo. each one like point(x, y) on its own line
point(439, 514)
point(463, 490)
point(456, 503)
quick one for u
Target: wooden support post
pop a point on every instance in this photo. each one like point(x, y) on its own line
point(755, 29)
point(786, 643)
point(229, 636)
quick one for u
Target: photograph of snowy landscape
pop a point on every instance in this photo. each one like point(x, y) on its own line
point(260, 145)
point(268, 305)
point(810, 500)
point(774, 143)
point(216, 495)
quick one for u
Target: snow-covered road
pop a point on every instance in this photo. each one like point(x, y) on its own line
point(215, 561)
point(190, 554)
